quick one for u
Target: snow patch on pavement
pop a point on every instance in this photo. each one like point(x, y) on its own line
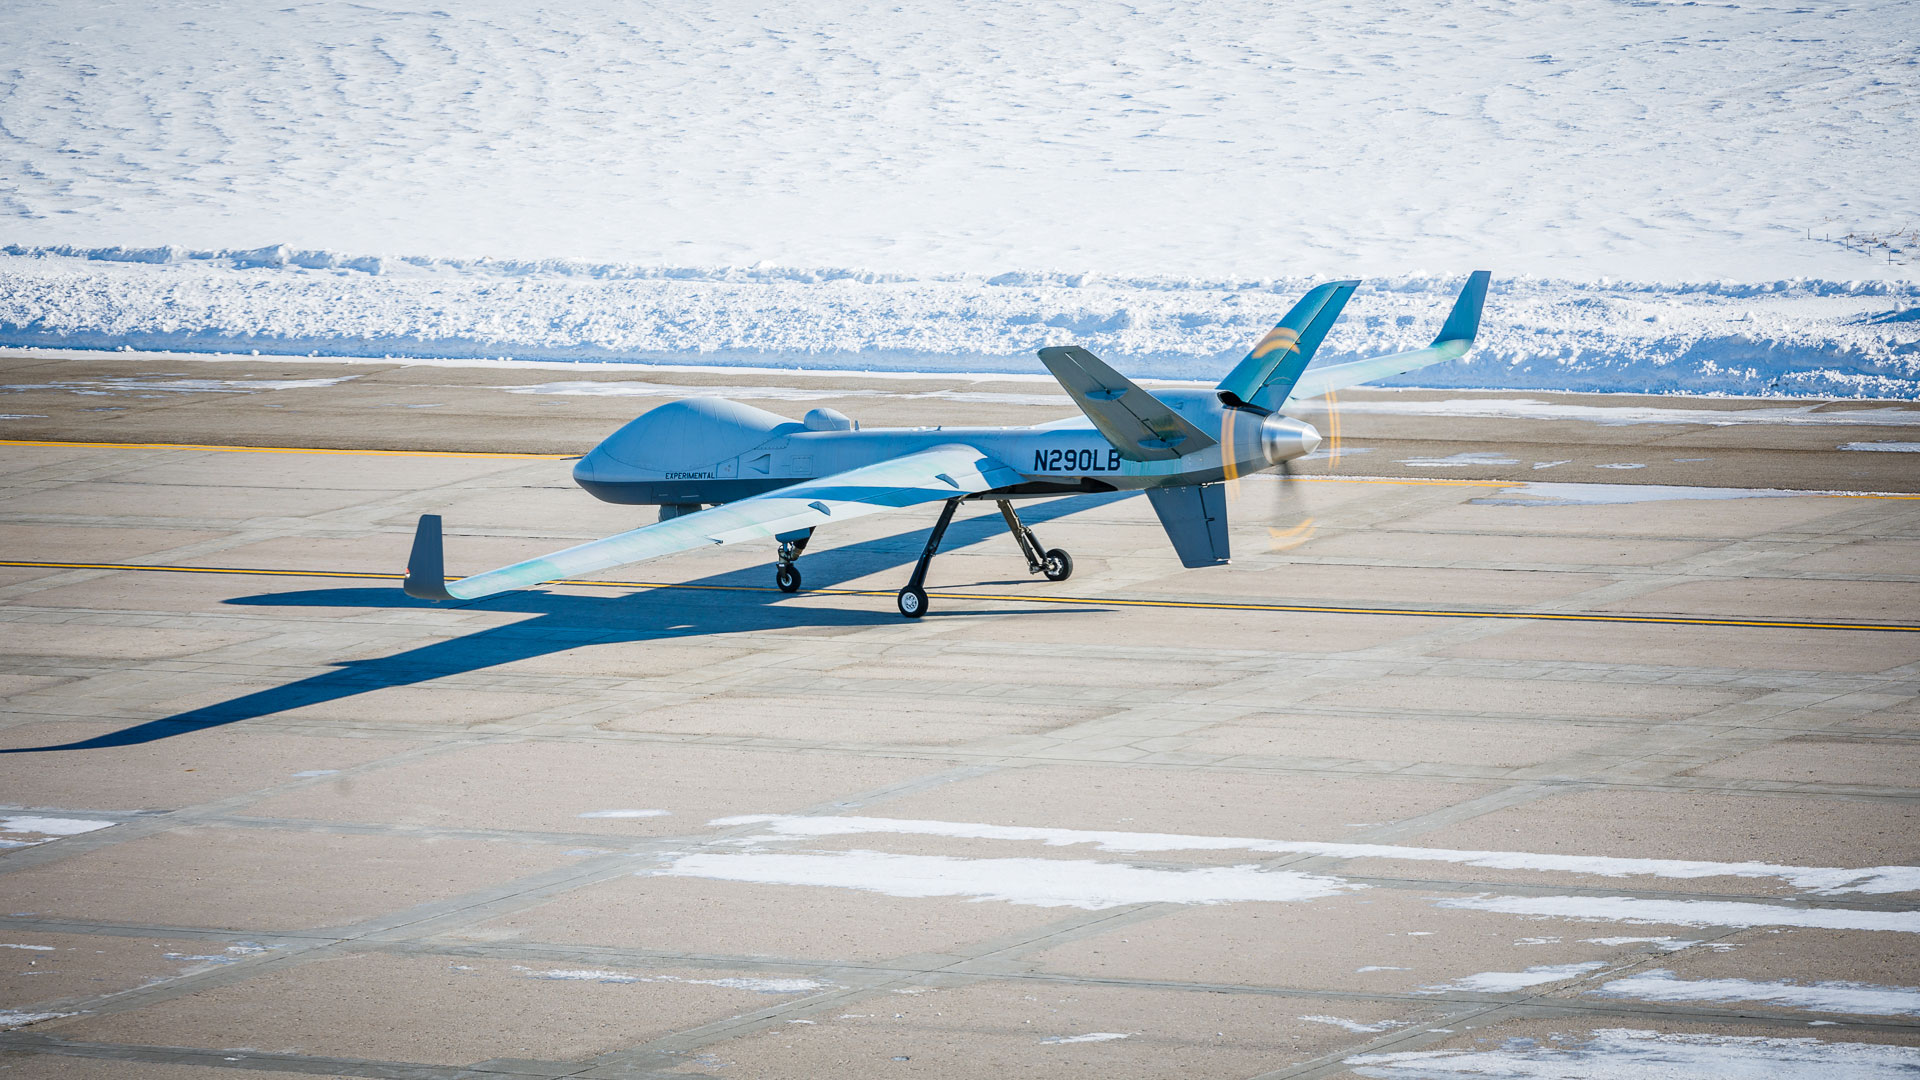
point(1036, 882)
point(626, 814)
point(1664, 944)
point(1824, 880)
point(1506, 982)
point(51, 826)
point(1090, 1037)
point(1631, 1054)
point(1884, 447)
point(1689, 912)
point(14, 1018)
point(1863, 999)
point(1353, 1025)
point(758, 986)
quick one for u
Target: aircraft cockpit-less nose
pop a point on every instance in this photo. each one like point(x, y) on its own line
point(681, 438)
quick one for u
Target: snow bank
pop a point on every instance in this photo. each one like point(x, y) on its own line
point(1788, 338)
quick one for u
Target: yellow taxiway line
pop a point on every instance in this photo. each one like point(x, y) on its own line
point(1091, 601)
point(276, 449)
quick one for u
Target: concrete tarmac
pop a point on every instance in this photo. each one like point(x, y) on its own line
point(1398, 780)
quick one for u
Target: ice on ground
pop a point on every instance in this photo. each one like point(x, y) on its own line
point(1506, 982)
point(758, 986)
point(1354, 1026)
point(1863, 999)
point(1632, 1054)
point(50, 826)
point(14, 1018)
point(1090, 1037)
point(1688, 912)
point(1884, 447)
point(1037, 882)
point(626, 813)
point(1664, 944)
point(32, 948)
point(1874, 879)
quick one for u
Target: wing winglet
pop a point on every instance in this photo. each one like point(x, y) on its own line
point(1463, 322)
point(1455, 338)
point(426, 566)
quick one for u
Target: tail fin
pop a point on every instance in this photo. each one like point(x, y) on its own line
point(1195, 517)
point(1282, 355)
point(426, 567)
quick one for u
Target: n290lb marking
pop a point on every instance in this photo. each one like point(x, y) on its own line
point(1088, 460)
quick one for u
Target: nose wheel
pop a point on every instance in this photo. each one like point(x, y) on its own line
point(787, 576)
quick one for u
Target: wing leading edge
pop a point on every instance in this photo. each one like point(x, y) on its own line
point(934, 475)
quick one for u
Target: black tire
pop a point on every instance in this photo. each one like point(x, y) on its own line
point(913, 602)
point(787, 576)
point(1059, 565)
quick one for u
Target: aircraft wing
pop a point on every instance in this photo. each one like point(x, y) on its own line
point(1455, 338)
point(928, 476)
point(1139, 425)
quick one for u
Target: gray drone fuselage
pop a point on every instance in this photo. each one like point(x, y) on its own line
point(713, 450)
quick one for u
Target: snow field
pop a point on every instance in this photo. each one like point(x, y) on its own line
point(1807, 338)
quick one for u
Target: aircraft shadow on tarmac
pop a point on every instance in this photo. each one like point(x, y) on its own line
point(569, 620)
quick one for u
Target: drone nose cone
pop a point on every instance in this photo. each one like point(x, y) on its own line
point(1283, 439)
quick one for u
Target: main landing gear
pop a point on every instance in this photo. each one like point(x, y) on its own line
point(1056, 564)
point(785, 574)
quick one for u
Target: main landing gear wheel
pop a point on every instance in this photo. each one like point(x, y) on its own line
point(787, 576)
point(913, 601)
point(1059, 565)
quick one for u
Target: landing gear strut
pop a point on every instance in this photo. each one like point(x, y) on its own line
point(1055, 563)
point(913, 598)
point(785, 574)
